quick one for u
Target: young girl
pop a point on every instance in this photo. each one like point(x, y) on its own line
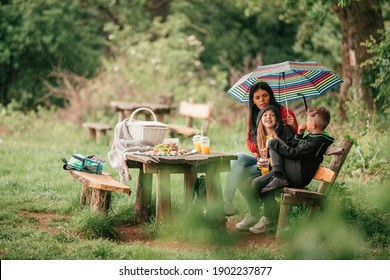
point(269, 125)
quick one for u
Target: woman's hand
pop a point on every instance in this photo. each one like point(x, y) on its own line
point(289, 120)
point(301, 128)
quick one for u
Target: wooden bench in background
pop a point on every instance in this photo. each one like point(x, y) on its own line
point(192, 111)
point(97, 130)
point(327, 175)
point(97, 189)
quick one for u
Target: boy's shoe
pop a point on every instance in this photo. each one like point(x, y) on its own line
point(275, 183)
point(246, 223)
point(263, 225)
point(228, 208)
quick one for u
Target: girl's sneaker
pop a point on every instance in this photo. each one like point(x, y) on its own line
point(263, 225)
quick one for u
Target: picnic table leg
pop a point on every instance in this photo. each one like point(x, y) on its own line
point(121, 115)
point(163, 194)
point(160, 117)
point(91, 133)
point(143, 198)
point(214, 196)
point(189, 181)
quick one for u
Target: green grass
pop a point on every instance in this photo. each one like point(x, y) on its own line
point(353, 225)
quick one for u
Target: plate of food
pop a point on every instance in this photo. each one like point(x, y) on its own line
point(166, 149)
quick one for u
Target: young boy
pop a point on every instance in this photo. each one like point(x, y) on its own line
point(292, 165)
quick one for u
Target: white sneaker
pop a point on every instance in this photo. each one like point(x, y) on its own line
point(246, 223)
point(228, 208)
point(263, 225)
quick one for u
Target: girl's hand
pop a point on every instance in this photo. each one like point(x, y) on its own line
point(264, 153)
point(301, 128)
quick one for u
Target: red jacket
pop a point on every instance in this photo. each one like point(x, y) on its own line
point(252, 146)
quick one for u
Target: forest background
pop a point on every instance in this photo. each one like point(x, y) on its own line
point(62, 62)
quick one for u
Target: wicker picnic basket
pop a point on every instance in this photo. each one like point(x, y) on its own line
point(150, 131)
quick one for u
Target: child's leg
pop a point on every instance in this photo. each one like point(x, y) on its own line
point(278, 166)
point(277, 163)
point(293, 171)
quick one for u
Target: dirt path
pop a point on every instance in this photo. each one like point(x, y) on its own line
point(134, 233)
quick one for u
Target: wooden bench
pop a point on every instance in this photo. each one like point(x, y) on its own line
point(97, 189)
point(191, 111)
point(97, 130)
point(327, 175)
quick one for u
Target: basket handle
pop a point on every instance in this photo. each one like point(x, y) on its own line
point(143, 109)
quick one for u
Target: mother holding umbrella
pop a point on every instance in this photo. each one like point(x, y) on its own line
point(245, 167)
point(298, 80)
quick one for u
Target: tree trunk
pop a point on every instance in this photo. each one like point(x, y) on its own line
point(359, 21)
point(159, 8)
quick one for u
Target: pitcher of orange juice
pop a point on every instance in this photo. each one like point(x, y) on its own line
point(205, 144)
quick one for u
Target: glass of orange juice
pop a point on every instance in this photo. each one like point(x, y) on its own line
point(196, 140)
point(205, 145)
point(264, 165)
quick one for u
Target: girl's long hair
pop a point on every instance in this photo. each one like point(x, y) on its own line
point(254, 110)
point(260, 135)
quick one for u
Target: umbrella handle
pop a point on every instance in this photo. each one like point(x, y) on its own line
point(285, 94)
point(304, 99)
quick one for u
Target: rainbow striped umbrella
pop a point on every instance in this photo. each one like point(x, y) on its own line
point(289, 80)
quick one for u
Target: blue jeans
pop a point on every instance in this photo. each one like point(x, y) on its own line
point(243, 170)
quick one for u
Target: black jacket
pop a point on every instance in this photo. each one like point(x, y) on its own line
point(309, 150)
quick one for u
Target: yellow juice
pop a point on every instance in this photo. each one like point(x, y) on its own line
point(205, 149)
point(197, 146)
point(264, 170)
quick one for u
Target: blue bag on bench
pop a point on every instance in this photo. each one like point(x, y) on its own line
point(90, 164)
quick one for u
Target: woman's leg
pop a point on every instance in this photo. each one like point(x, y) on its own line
point(241, 169)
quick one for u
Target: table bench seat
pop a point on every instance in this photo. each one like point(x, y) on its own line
point(97, 189)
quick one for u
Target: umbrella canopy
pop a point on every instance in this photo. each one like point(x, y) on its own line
point(289, 80)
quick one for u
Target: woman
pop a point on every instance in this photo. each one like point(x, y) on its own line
point(245, 166)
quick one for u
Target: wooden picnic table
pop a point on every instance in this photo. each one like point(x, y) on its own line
point(125, 109)
point(189, 165)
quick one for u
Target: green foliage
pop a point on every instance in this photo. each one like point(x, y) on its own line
point(39, 36)
point(377, 68)
point(95, 225)
point(238, 32)
point(163, 60)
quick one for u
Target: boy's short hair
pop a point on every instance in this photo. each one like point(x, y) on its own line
point(321, 115)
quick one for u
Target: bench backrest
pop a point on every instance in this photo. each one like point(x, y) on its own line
point(328, 174)
point(196, 111)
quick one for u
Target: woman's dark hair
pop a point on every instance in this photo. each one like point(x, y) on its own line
point(254, 110)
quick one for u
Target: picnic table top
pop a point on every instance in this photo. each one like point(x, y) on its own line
point(192, 159)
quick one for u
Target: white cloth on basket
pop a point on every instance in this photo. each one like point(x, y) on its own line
point(122, 144)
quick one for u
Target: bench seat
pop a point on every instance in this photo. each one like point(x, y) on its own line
point(97, 130)
point(97, 189)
